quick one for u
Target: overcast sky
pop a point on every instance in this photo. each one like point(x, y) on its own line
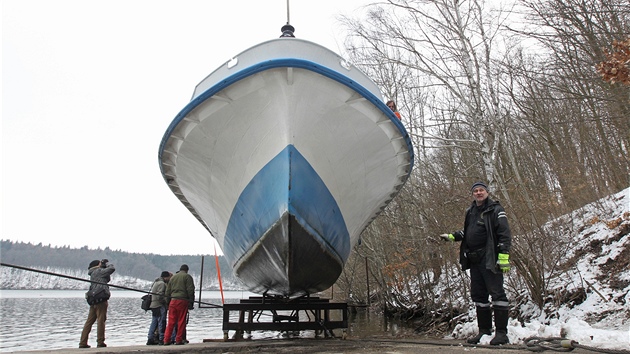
point(88, 90)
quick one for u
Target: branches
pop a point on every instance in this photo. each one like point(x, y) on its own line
point(521, 109)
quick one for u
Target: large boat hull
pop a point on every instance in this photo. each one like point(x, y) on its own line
point(285, 154)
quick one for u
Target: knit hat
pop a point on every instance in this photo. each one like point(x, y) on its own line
point(94, 263)
point(165, 274)
point(479, 184)
point(184, 267)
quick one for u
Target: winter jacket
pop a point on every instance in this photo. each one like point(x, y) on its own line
point(158, 289)
point(101, 275)
point(497, 230)
point(181, 286)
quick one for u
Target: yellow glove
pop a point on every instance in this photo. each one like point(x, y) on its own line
point(504, 262)
point(447, 237)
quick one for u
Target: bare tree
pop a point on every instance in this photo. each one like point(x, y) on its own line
point(573, 35)
point(480, 102)
point(445, 48)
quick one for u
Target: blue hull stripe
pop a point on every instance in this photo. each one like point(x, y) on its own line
point(287, 183)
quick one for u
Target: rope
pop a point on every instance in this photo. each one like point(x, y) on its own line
point(559, 344)
point(535, 344)
point(95, 282)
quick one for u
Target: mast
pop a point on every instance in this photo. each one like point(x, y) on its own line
point(287, 30)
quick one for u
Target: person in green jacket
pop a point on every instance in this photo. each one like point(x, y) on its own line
point(180, 294)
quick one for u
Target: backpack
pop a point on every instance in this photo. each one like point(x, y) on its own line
point(95, 296)
point(146, 302)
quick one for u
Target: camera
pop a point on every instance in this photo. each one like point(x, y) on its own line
point(104, 263)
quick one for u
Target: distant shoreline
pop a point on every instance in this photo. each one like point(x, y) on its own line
point(117, 293)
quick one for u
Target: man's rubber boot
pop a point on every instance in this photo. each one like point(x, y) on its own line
point(484, 321)
point(501, 317)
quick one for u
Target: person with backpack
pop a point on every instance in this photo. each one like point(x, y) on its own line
point(485, 250)
point(158, 309)
point(100, 274)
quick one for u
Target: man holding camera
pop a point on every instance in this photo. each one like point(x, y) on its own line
point(99, 272)
point(180, 293)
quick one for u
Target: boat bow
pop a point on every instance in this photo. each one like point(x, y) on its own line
point(285, 154)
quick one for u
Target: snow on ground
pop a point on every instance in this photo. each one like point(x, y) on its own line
point(600, 234)
point(571, 328)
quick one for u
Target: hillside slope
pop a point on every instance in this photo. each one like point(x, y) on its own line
point(596, 266)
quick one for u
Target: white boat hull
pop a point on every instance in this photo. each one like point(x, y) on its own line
point(286, 157)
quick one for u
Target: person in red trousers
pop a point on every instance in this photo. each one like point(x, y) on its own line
point(180, 293)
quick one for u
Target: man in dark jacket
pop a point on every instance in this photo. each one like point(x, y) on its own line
point(485, 250)
point(180, 292)
point(99, 272)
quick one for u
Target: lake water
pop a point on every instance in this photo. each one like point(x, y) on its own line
point(54, 319)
